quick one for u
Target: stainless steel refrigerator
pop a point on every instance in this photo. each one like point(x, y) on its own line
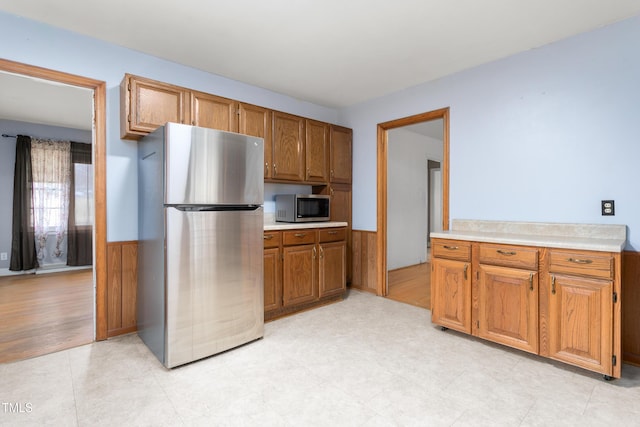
point(200, 225)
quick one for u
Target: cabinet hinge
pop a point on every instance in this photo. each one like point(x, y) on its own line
point(238, 111)
point(129, 87)
point(129, 117)
point(615, 297)
point(614, 360)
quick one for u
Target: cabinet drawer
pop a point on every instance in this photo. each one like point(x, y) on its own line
point(332, 234)
point(594, 264)
point(299, 237)
point(451, 249)
point(272, 239)
point(509, 256)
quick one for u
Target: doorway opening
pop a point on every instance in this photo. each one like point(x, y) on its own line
point(441, 117)
point(96, 275)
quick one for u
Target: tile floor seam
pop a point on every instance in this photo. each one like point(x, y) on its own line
point(73, 388)
point(584, 410)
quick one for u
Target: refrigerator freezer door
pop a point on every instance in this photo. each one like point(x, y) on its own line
point(215, 288)
point(211, 167)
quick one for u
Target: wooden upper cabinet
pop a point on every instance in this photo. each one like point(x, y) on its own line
point(147, 104)
point(317, 151)
point(341, 154)
point(256, 121)
point(288, 147)
point(210, 111)
point(295, 149)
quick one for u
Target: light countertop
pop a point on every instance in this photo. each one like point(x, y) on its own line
point(592, 237)
point(275, 226)
point(270, 224)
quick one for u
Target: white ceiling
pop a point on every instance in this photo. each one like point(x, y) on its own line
point(331, 52)
point(31, 100)
point(433, 129)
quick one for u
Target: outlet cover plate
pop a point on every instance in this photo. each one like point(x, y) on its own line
point(608, 208)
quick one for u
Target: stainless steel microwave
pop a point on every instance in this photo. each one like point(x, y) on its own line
point(302, 207)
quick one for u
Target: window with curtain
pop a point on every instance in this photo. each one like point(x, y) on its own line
point(53, 204)
point(51, 169)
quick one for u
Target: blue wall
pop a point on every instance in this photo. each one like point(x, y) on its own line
point(544, 135)
point(540, 136)
point(34, 43)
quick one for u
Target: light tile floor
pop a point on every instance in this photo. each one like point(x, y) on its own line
point(365, 361)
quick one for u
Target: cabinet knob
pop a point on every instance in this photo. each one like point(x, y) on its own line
point(553, 285)
point(530, 281)
point(451, 248)
point(300, 234)
point(266, 168)
point(268, 236)
point(507, 253)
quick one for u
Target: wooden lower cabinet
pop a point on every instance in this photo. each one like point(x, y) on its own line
point(508, 306)
point(303, 268)
point(451, 294)
point(332, 274)
point(584, 311)
point(580, 312)
point(299, 274)
point(272, 281)
point(561, 304)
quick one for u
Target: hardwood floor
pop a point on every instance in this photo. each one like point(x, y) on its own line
point(45, 313)
point(411, 285)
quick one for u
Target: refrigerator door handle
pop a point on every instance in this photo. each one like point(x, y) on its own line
point(204, 208)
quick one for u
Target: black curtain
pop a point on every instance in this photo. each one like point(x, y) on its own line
point(23, 246)
point(79, 237)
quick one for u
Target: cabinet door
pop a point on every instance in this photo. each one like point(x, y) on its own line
point(150, 104)
point(508, 306)
point(210, 111)
point(299, 274)
point(580, 326)
point(256, 121)
point(317, 151)
point(272, 282)
point(341, 164)
point(332, 268)
point(341, 211)
point(451, 294)
point(288, 147)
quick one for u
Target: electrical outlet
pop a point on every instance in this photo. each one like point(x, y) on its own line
point(608, 208)
point(3, 256)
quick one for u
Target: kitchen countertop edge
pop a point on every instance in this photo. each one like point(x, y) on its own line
point(558, 242)
point(271, 226)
